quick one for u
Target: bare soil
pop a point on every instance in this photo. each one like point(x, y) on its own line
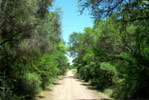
point(69, 87)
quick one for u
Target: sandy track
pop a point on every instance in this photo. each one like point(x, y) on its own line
point(71, 88)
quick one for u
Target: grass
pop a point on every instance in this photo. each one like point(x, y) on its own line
point(108, 92)
point(105, 94)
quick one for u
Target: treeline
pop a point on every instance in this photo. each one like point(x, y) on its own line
point(32, 54)
point(114, 55)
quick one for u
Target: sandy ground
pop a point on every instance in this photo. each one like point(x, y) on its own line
point(70, 88)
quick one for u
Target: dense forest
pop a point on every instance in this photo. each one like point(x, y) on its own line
point(32, 52)
point(113, 55)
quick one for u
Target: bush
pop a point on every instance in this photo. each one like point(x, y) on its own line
point(9, 95)
point(6, 93)
point(30, 85)
point(47, 69)
point(105, 76)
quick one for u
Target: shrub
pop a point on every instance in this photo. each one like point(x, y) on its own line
point(105, 76)
point(30, 85)
point(6, 93)
point(9, 95)
point(47, 69)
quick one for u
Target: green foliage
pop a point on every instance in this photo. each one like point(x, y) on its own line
point(114, 53)
point(104, 76)
point(32, 54)
point(9, 95)
point(72, 67)
point(47, 69)
point(145, 53)
point(107, 67)
point(30, 85)
point(123, 9)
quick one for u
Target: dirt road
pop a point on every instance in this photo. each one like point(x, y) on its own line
point(71, 88)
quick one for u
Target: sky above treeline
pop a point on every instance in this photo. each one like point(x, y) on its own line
point(71, 19)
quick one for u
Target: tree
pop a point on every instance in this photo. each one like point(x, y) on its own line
point(111, 55)
point(124, 9)
point(29, 48)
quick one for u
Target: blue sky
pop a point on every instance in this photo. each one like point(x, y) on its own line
point(72, 21)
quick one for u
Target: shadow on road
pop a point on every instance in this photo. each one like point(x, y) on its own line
point(93, 99)
point(41, 97)
point(86, 84)
point(57, 83)
point(71, 77)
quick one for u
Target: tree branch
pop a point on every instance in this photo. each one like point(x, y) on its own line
point(5, 41)
point(132, 20)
